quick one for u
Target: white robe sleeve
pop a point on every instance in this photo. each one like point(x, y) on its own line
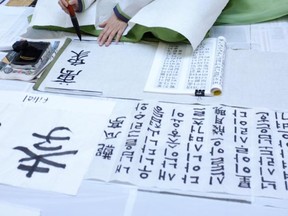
point(128, 8)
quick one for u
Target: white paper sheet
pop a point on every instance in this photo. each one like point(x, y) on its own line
point(268, 36)
point(2, 54)
point(182, 205)
point(92, 198)
point(15, 85)
point(9, 209)
point(15, 24)
point(147, 144)
point(49, 143)
point(238, 36)
point(176, 69)
point(84, 66)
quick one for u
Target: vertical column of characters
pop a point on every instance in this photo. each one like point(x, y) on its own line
point(111, 134)
point(170, 70)
point(109, 146)
point(219, 63)
point(194, 168)
point(76, 61)
point(199, 68)
point(281, 123)
point(217, 160)
point(169, 168)
point(242, 148)
point(147, 165)
point(127, 161)
point(264, 155)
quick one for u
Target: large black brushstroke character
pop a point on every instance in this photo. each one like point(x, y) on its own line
point(42, 158)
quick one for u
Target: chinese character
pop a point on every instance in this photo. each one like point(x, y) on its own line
point(105, 152)
point(43, 158)
point(67, 76)
point(116, 123)
point(78, 58)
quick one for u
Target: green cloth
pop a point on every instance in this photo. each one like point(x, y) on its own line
point(252, 11)
point(139, 32)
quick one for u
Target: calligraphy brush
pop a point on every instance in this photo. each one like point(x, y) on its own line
point(74, 20)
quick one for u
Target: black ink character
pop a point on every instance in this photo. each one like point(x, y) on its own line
point(105, 152)
point(117, 123)
point(42, 158)
point(78, 58)
point(67, 76)
point(48, 138)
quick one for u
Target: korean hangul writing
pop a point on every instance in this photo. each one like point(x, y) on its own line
point(220, 60)
point(172, 146)
point(194, 150)
point(171, 66)
point(282, 129)
point(242, 147)
point(199, 68)
point(266, 151)
point(217, 164)
point(149, 147)
point(182, 147)
point(133, 135)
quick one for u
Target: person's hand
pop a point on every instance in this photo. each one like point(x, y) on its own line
point(112, 28)
point(64, 4)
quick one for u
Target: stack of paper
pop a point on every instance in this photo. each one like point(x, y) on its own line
point(16, 23)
